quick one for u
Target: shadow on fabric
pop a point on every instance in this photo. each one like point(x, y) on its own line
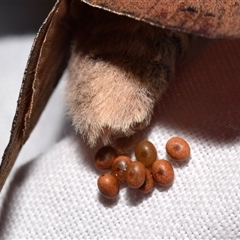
point(204, 97)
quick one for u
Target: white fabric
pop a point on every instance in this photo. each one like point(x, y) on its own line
point(55, 195)
point(14, 51)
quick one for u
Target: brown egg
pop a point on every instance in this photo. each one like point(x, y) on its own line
point(149, 182)
point(162, 172)
point(135, 174)
point(104, 158)
point(119, 167)
point(178, 148)
point(146, 153)
point(108, 185)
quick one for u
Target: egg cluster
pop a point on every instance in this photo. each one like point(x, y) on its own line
point(142, 173)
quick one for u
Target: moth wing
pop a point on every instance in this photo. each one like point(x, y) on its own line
point(46, 63)
point(210, 18)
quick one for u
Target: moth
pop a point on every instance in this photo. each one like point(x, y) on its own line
point(120, 56)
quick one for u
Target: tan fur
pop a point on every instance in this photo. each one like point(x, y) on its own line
point(118, 69)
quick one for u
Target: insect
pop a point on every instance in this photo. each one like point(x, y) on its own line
point(121, 56)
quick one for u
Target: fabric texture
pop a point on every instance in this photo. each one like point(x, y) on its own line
point(55, 195)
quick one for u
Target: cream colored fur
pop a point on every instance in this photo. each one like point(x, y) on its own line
point(118, 69)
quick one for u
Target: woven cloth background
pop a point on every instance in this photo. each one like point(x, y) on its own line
point(53, 194)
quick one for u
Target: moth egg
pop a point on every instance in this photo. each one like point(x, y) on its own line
point(162, 172)
point(119, 167)
point(108, 185)
point(148, 184)
point(105, 157)
point(135, 174)
point(146, 153)
point(178, 148)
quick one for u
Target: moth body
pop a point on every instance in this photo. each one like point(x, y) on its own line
point(119, 68)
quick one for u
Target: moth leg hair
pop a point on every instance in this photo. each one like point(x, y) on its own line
point(119, 68)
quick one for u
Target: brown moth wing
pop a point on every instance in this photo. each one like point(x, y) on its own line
point(211, 18)
point(46, 63)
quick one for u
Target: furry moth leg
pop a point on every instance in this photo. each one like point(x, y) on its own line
point(119, 68)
